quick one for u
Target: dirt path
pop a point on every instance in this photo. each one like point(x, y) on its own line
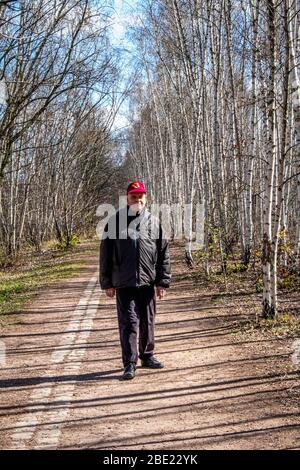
point(60, 385)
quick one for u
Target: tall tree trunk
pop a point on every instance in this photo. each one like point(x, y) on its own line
point(269, 303)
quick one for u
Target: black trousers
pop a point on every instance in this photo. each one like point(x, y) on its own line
point(136, 308)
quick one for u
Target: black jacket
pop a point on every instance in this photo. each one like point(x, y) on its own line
point(135, 253)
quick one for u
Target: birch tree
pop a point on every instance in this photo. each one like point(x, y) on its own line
point(216, 118)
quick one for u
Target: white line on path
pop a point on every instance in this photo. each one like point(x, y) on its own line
point(81, 325)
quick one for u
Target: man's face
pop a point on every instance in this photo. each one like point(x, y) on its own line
point(136, 201)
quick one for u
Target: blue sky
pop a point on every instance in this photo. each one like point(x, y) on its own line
point(126, 15)
point(126, 12)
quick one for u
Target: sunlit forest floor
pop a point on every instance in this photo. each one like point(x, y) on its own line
point(231, 380)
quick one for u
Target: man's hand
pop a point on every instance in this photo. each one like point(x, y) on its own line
point(110, 292)
point(160, 292)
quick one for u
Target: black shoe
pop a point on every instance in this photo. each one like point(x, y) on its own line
point(152, 363)
point(129, 371)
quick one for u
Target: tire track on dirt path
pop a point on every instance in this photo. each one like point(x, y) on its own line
point(45, 344)
point(80, 325)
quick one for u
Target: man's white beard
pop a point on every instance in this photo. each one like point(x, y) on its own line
point(134, 209)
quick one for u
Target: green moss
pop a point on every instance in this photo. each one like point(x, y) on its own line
point(282, 325)
point(17, 288)
point(259, 287)
point(67, 244)
point(240, 267)
point(290, 282)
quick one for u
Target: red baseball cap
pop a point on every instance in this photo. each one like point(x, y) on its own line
point(136, 187)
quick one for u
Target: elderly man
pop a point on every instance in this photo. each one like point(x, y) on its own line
point(135, 265)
